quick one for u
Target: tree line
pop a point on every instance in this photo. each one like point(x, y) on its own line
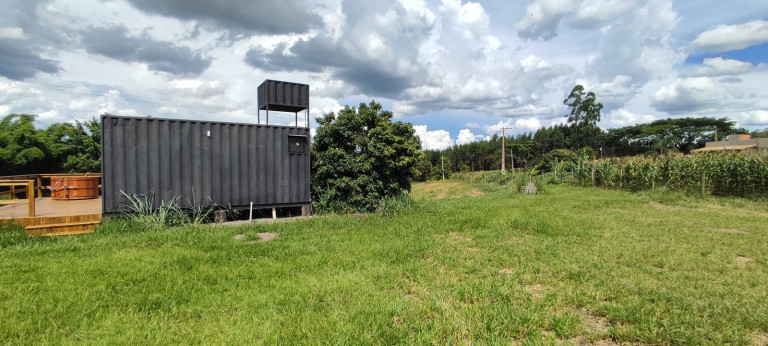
point(579, 136)
point(59, 148)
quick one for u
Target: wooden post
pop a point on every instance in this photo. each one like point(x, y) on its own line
point(593, 175)
point(39, 186)
point(31, 197)
point(274, 214)
point(442, 165)
point(13, 192)
point(703, 183)
point(306, 210)
point(503, 152)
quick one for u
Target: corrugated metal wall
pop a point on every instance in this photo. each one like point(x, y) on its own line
point(237, 164)
point(283, 96)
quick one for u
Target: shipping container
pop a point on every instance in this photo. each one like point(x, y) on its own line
point(233, 164)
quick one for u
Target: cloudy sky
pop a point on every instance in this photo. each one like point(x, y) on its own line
point(457, 70)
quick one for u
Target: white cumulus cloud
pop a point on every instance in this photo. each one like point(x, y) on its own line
point(722, 67)
point(466, 136)
point(732, 37)
point(542, 18)
point(433, 140)
point(514, 126)
point(688, 95)
point(758, 118)
point(622, 117)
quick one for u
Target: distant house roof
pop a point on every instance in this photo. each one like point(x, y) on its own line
point(725, 148)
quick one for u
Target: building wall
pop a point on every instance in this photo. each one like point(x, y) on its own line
point(236, 165)
point(762, 143)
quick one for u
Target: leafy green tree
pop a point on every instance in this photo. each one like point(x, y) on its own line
point(760, 134)
point(423, 169)
point(583, 117)
point(23, 149)
point(77, 147)
point(681, 134)
point(360, 157)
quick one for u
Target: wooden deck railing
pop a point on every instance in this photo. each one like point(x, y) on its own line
point(30, 191)
point(39, 180)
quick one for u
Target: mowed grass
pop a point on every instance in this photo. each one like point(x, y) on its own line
point(571, 265)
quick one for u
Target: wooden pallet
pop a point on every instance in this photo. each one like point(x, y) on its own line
point(59, 225)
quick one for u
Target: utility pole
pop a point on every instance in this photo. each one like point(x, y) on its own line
point(504, 152)
point(442, 165)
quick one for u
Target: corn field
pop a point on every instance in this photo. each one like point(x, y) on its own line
point(742, 174)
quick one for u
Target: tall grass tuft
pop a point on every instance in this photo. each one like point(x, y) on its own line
point(11, 234)
point(141, 210)
point(395, 205)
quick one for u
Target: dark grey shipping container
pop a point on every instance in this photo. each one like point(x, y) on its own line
point(233, 164)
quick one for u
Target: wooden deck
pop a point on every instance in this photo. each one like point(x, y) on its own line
point(55, 217)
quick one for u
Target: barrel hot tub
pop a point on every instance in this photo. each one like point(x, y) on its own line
point(74, 187)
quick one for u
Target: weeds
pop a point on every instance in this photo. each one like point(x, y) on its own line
point(11, 233)
point(140, 209)
point(395, 205)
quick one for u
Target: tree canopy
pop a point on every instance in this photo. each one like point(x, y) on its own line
point(360, 157)
point(583, 117)
point(681, 134)
point(62, 147)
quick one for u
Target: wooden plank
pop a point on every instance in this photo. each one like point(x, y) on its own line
point(59, 225)
point(12, 201)
point(79, 223)
point(31, 197)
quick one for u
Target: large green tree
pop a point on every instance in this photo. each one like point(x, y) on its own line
point(77, 146)
point(62, 147)
point(23, 148)
point(360, 157)
point(681, 134)
point(583, 117)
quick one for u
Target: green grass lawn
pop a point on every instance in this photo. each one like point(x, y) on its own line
point(570, 265)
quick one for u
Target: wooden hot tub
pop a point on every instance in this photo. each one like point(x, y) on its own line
point(74, 187)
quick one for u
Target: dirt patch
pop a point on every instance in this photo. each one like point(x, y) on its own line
point(265, 236)
point(744, 260)
point(594, 323)
point(580, 340)
point(665, 207)
point(458, 236)
point(757, 338)
point(736, 211)
point(536, 291)
point(412, 297)
point(441, 190)
point(437, 184)
point(475, 193)
point(596, 326)
point(729, 230)
point(507, 271)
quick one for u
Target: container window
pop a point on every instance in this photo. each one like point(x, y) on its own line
point(297, 144)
